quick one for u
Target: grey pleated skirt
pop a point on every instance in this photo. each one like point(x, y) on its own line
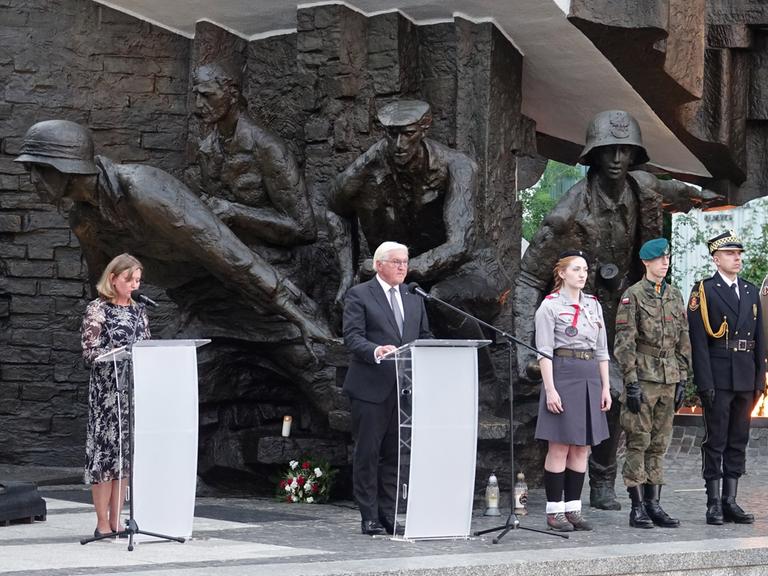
point(581, 423)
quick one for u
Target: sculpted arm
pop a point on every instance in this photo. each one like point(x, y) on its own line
point(290, 219)
point(531, 283)
point(458, 218)
point(344, 192)
point(677, 196)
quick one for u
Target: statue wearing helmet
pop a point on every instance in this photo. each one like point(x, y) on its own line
point(609, 215)
point(144, 210)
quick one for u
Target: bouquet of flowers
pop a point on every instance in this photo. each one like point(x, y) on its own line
point(306, 480)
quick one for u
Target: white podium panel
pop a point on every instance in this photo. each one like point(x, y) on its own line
point(165, 436)
point(437, 404)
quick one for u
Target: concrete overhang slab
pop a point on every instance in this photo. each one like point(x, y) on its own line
point(566, 80)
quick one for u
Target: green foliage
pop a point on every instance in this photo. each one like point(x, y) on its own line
point(755, 245)
point(539, 200)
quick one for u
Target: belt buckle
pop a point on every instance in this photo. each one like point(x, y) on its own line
point(741, 345)
point(585, 355)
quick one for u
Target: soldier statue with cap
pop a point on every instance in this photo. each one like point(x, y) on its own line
point(146, 211)
point(727, 342)
point(412, 188)
point(609, 214)
point(653, 350)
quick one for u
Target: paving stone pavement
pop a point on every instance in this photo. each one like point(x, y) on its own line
point(238, 536)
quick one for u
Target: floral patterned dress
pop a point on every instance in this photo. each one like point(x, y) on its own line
point(107, 326)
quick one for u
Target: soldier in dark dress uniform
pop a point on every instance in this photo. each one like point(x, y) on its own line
point(729, 368)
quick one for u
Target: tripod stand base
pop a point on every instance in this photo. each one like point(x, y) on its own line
point(514, 524)
point(131, 528)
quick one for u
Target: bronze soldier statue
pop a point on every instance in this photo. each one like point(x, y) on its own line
point(249, 177)
point(144, 210)
point(409, 187)
point(653, 350)
point(610, 214)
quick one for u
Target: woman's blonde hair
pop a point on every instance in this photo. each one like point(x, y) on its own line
point(561, 266)
point(116, 266)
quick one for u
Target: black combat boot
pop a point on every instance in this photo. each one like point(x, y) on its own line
point(638, 517)
point(651, 495)
point(732, 512)
point(714, 504)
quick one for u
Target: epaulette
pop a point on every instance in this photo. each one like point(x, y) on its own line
point(591, 296)
point(552, 295)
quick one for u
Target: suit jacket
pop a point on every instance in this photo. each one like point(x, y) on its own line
point(714, 365)
point(369, 322)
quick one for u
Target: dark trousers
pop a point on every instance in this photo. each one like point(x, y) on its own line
point(374, 468)
point(726, 434)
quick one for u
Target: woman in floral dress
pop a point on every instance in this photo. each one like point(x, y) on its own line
point(111, 320)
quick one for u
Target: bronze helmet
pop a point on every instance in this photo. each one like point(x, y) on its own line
point(614, 127)
point(64, 145)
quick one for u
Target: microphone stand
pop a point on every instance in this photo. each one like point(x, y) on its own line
point(512, 523)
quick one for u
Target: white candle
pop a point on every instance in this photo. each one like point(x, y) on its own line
point(287, 426)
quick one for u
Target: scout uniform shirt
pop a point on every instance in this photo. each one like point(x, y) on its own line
point(556, 314)
point(652, 342)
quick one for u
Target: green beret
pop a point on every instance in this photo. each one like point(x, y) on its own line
point(654, 249)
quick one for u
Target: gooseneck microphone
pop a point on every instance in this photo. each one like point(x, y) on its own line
point(139, 297)
point(414, 288)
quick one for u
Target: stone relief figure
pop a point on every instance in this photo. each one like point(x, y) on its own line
point(249, 177)
point(146, 211)
point(609, 215)
point(421, 193)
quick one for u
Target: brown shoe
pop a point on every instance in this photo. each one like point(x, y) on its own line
point(577, 521)
point(559, 523)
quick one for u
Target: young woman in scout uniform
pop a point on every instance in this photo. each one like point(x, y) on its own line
point(575, 394)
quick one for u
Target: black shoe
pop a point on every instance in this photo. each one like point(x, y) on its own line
point(651, 496)
point(103, 535)
point(392, 528)
point(638, 517)
point(732, 512)
point(714, 503)
point(714, 512)
point(371, 528)
point(603, 496)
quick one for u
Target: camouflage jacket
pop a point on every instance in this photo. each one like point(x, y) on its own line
point(652, 341)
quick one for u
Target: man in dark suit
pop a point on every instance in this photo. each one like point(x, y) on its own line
point(379, 316)
point(729, 368)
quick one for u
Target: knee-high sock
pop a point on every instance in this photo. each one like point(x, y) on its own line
point(573, 483)
point(553, 486)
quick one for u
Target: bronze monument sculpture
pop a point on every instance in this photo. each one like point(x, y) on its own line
point(249, 177)
point(146, 211)
point(409, 187)
point(609, 214)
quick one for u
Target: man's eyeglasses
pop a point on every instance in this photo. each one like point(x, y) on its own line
point(397, 263)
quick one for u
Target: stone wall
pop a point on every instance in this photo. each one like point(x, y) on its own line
point(127, 81)
point(319, 89)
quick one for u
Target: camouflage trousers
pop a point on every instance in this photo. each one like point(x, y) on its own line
point(648, 434)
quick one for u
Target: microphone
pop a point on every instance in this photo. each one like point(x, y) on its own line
point(414, 288)
point(139, 297)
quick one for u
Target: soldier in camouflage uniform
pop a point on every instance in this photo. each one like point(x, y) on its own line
point(653, 349)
